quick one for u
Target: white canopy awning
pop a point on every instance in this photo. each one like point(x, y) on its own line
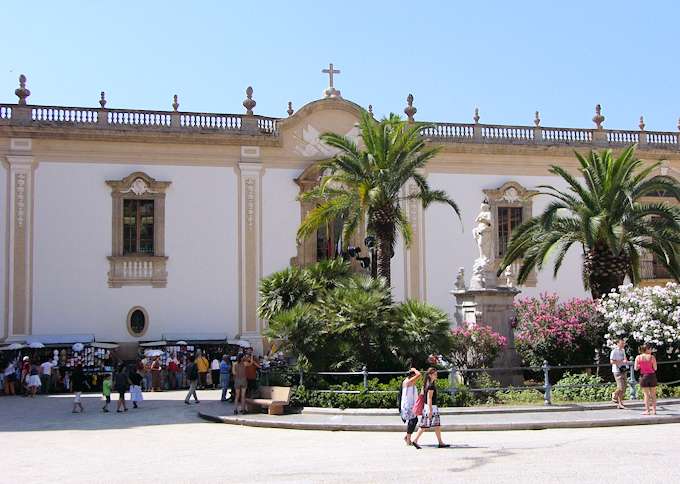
point(152, 344)
point(57, 339)
point(106, 346)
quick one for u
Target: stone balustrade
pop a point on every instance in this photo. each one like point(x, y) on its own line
point(541, 135)
point(141, 270)
point(121, 120)
point(134, 119)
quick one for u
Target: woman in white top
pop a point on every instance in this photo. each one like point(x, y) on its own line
point(409, 394)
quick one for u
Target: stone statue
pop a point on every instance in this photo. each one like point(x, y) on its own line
point(460, 280)
point(483, 235)
point(508, 276)
point(482, 231)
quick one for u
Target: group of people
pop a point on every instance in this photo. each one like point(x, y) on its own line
point(236, 374)
point(419, 409)
point(645, 363)
point(28, 377)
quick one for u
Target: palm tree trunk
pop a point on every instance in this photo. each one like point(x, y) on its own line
point(604, 270)
point(385, 252)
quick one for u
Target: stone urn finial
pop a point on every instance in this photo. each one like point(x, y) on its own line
point(598, 119)
point(678, 124)
point(102, 99)
point(476, 117)
point(175, 103)
point(290, 108)
point(410, 110)
point(22, 93)
point(642, 123)
point(249, 103)
point(537, 119)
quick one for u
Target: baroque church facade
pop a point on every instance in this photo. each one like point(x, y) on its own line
point(133, 225)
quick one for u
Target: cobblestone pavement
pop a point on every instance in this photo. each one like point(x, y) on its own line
point(165, 441)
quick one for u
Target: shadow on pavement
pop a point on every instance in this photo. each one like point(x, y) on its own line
point(54, 412)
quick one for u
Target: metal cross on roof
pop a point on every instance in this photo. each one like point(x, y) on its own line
point(330, 71)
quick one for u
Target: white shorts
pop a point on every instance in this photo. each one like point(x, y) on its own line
point(76, 397)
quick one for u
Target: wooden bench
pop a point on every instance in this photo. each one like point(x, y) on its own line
point(274, 398)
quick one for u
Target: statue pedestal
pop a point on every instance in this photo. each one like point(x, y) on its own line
point(492, 306)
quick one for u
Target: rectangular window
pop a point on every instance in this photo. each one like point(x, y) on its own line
point(509, 218)
point(138, 227)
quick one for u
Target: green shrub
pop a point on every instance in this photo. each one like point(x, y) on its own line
point(387, 398)
point(667, 391)
point(582, 394)
point(519, 397)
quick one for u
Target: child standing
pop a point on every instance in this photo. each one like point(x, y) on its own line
point(106, 392)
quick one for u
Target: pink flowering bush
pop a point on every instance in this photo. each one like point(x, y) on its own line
point(475, 346)
point(560, 333)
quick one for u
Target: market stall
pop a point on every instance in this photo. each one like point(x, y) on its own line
point(64, 351)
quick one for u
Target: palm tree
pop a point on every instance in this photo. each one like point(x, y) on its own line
point(364, 186)
point(605, 214)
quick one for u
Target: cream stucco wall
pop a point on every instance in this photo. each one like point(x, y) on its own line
point(449, 246)
point(73, 239)
point(280, 218)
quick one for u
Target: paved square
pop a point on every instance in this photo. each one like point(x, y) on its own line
point(165, 441)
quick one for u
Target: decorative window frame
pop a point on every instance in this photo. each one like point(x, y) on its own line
point(510, 194)
point(137, 269)
point(129, 323)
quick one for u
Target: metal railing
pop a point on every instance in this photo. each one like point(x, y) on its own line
point(546, 388)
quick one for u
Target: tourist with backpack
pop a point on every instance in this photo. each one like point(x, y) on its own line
point(192, 376)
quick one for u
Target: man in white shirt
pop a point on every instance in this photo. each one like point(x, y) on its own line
point(619, 363)
point(46, 376)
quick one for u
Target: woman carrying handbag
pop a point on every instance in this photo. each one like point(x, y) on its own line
point(430, 411)
point(409, 398)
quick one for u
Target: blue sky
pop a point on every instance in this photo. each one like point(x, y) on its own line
point(510, 58)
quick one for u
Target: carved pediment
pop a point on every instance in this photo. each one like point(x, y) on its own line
point(510, 193)
point(138, 184)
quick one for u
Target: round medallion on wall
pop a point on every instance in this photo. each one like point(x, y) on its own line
point(137, 321)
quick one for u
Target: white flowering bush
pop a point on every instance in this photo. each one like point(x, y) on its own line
point(644, 315)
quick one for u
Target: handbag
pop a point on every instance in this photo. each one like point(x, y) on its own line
point(419, 405)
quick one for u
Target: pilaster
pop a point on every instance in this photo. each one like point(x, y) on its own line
point(250, 223)
point(415, 253)
point(20, 197)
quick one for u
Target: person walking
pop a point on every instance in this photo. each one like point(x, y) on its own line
point(619, 363)
point(173, 372)
point(106, 392)
point(146, 373)
point(25, 373)
point(192, 376)
point(10, 378)
point(156, 368)
point(238, 370)
point(408, 398)
point(202, 366)
point(121, 384)
point(225, 374)
point(645, 363)
point(430, 418)
point(78, 384)
point(215, 371)
point(46, 375)
point(136, 396)
point(33, 382)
